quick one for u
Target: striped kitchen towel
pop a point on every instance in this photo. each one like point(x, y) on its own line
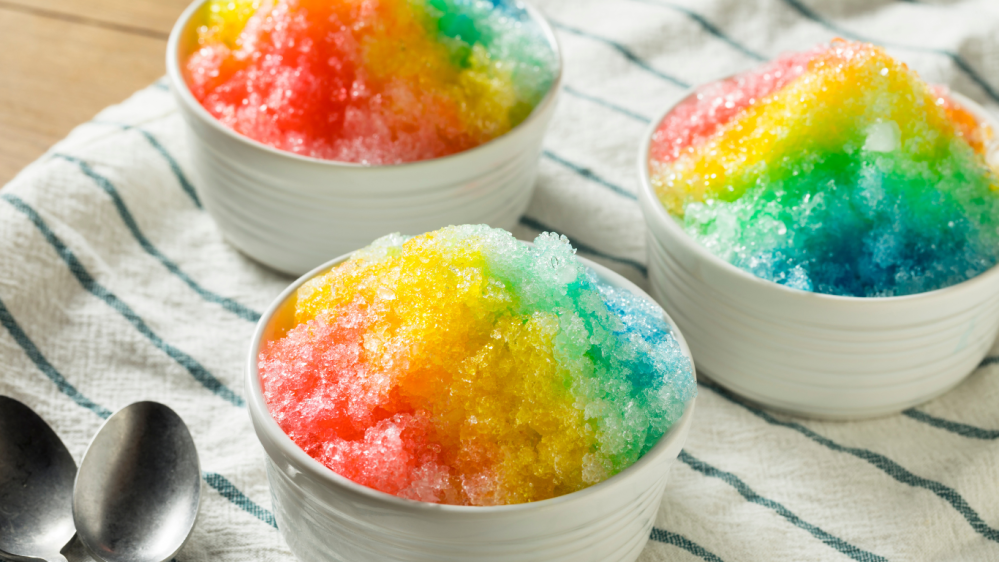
point(115, 286)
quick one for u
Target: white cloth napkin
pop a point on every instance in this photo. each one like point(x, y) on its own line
point(115, 286)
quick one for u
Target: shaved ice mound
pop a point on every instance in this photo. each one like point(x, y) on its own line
point(465, 367)
point(837, 171)
point(370, 81)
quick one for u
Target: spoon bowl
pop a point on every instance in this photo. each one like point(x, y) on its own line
point(36, 486)
point(139, 486)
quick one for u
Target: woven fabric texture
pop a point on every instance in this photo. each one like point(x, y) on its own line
point(116, 286)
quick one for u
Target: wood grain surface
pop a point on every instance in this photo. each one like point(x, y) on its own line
point(62, 61)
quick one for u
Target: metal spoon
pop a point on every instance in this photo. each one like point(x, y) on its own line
point(139, 487)
point(36, 486)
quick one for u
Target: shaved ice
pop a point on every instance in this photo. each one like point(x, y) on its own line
point(837, 170)
point(370, 81)
point(465, 367)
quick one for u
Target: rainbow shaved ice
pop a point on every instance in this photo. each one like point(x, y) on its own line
point(835, 170)
point(370, 81)
point(464, 367)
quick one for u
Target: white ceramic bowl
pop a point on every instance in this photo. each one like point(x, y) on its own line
point(292, 212)
point(813, 354)
point(326, 517)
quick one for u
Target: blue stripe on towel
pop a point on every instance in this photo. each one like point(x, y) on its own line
point(588, 174)
point(178, 173)
point(31, 350)
point(609, 105)
point(87, 281)
point(708, 26)
point(881, 462)
point(952, 426)
point(230, 492)
point(664, 536)
point(746, 492)
point(536, 225)
point(126, 216)
point(954, 57)
point(988, 361)
point(625, 51)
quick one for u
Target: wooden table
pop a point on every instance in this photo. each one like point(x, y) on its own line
point(62, 61)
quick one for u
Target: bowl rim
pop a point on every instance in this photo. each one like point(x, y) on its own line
point(183, 93)
point(656, 213)
point(263, 421)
